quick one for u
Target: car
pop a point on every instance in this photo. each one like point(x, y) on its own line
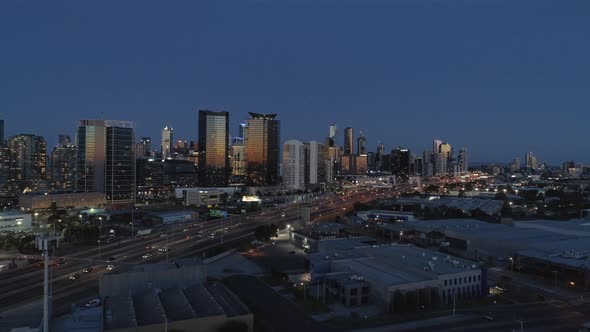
point(92, 303)
point(212, 235)
point(87, 270)
point(163, 249)
point(149, 247)
point(145, 256)
point(185, 230)
point(111, 267)
point(75, 276)
point(283, 214)
point(163, 235)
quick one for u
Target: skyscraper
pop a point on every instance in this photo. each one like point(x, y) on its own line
point(314, 162)
point(238, 158)
point(333, 132)
point(262, 140)
point(242, 130)
point(213, 148)
point(530, 161)
point(63, 164)
point(106, 159)
point(167, 141)
point(400, 164)
point(348, 141)
point(26, 162)
point(294, 164)
point(436, 145)
point(463, 161)
point(146, 146)
point(361, 144)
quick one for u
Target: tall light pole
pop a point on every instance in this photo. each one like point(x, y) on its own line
point(511, 264)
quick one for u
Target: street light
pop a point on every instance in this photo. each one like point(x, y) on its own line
point(511, 264)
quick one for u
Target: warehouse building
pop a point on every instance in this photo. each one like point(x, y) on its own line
point(539, 247)
point(396, 277)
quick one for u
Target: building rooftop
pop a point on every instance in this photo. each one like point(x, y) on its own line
point(394, 264)
point(155, 306)
point(543, 239)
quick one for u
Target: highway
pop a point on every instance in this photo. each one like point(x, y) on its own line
point(25, 284)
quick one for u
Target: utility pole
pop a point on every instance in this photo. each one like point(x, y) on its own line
point(43, 245)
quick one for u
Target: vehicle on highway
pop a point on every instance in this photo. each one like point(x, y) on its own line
point(87, 270)
point(163, 235)
point(75, 276)
point(149, 247)
point(92, 303)
point(292, 252)
point(185, 230)
point(112, 258)
point(212, 235)
point(200, 234)
point(283, 214)
point(110, 267)
point(145, 256)
point(163, 249)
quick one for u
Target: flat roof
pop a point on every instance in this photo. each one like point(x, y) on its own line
point(542, 239)
point(395, 264)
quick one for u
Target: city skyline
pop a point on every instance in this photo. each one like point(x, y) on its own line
point(501, 93)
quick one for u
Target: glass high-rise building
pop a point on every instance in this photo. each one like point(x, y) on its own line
point(106, 159)
point(348, 141)
point(400, 164)
point(26, 162)
point(63, 164)
point(167, 139)
point(262, 140)
point(213, 148)
point(361, 149)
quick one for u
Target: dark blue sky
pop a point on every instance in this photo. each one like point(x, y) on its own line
point(498, 77)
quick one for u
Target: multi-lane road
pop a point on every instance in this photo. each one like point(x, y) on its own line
point(25, 284)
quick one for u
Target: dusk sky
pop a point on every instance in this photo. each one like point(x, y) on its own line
point(498, 77)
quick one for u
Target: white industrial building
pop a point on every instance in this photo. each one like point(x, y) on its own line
point(15, 221)
point(393, 275)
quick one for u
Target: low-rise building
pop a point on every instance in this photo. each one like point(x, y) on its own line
point(200, 196)
point(15, 221)
point(62, 200)
point(396, 277)
point(170, 217)
point(173, 297)
point(385, 215)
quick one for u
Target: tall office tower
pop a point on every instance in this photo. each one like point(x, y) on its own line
point(294, 164)
point(238, 157)
point(418, 165)
point(167, 139)
point(26, 162)
point(242, 130)
point(143, 149)
point(440, 162)
point(515, 165)
point(213, 148)
point(63, 164)
point(262, 139)
point(64, 139)
point(436, 145)
point(361, 149)
point(314, 163)
point(379, 158)
point(446, 150)
point(1, 132)
point(530, 161)
point(106, 159)
point(332, 136)
point(348, 141)
point(463, 161)
point(400, 164)
point(331, 156)
point(427, 164)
